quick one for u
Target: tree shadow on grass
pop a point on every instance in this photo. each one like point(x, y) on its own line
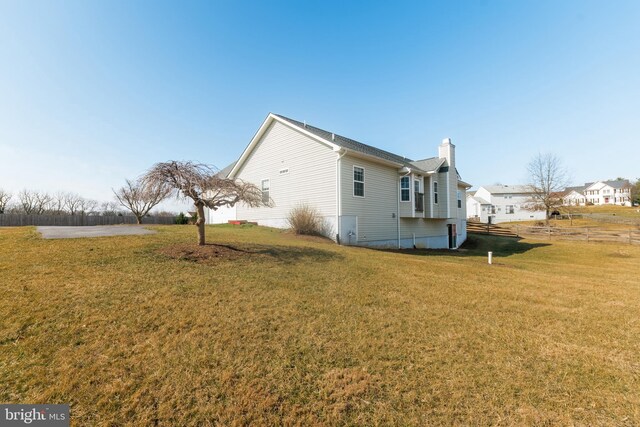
point(213, 253)
point(478, 245)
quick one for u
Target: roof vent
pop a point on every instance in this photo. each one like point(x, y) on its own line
point(304, 124)
point(333, 136)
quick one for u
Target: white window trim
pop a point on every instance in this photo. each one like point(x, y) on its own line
point(262, 190)
point(353, 181)
point(435, 193)
point(400, 184)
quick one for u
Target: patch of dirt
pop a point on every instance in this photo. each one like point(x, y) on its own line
point(315, 239)
point(215, 253)
point(207, 253)
point(620, 254)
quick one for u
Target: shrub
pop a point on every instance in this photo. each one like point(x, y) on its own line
point(305, 219)
point(181, 219)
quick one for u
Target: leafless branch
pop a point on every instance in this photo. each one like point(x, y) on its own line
point(34, 202)
point(200, 183)
point(547, 180)
point(140, 198)
point(72, 203)
point(5, 196)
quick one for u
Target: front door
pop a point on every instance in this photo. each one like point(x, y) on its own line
point(451, 229)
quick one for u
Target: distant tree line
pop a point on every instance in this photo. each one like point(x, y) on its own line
point(33, 202)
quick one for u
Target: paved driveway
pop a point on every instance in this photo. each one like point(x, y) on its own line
point(56, 232)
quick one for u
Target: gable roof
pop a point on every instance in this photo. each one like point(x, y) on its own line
point(508, 189)
point(617, 184)
point(337, 142)
point(578, 189)
point(224, 172)
point(348, 143)
point(430, 165)
point(480, 200)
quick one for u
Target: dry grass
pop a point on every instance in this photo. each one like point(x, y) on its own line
point(309, 333)
point(624, 211)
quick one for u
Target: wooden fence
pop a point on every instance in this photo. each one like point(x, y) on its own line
point(584, 234)
point(613, 218)
point(15, 220)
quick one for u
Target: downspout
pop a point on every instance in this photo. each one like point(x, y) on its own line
point(408, 171)
point(340, 153)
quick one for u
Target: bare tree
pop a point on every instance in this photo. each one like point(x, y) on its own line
point(34, 202)
point(87, 206)
point(5, 196)
point(72, 203)
point(43, 202)
point(547, 180)
point(201, 184)
point(27, 202)
point(57, 205)
point(140, 198)
point(109, 208)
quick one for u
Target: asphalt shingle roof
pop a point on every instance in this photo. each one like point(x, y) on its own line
point(507, 189)
point(223, 173)
point(425, 165)
point(617, 183)
point(579, 189)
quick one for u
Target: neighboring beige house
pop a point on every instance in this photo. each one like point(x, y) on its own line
point(367, 196)
point(501, 203)
point(608, 193)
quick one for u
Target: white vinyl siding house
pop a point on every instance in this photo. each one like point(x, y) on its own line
point(355, 187)
point(374, 211)
point(502, 203)
point(310, 177)
point(608, 193)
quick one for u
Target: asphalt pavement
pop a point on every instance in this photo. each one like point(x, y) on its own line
point(61, 232)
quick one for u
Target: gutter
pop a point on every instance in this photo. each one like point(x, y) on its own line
point(340, 152)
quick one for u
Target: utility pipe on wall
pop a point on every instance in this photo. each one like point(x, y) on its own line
point(340, 153)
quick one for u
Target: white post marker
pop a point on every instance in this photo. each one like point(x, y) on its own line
point(490, 257)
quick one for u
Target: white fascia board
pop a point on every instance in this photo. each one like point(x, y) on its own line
point(595, 184)
point(251, 145)
point(371, 158)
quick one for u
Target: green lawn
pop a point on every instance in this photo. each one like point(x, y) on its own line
point(301, 331)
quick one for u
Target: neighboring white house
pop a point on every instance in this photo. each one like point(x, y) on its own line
point(501, 203)
point(608, 193)
point(367, 196)
point(574, 196)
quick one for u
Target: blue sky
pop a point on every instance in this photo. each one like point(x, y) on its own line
point(93, 92)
